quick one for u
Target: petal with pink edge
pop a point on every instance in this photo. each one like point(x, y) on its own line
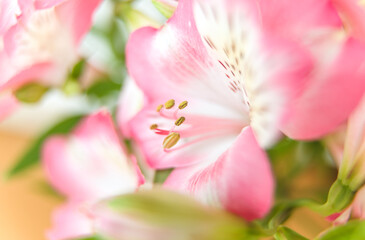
point(69, 222)
point(157, 53)
point(240, 180)
point(91, 164)
point(267, 70)
point(359, 204)
point(9, 10)
point(77, 15)
point(35, 73)
point(330, 97)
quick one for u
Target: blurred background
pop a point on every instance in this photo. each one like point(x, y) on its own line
point(25, 211)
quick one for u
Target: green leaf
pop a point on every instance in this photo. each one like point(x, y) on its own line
point(354, 230)
point(33, 155)
point(31, 93)
point(103, 88)
point(171, 214)
point(78, 69)
point(284, 233)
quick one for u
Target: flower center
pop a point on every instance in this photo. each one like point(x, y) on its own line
point(172, 136)
point(190, 129)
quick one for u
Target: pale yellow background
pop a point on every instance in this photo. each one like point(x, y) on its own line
point(25, 212)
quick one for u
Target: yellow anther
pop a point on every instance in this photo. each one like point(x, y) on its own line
point(159, 108)
point(171, 140)
point(153, 126)
point(170, 104)
point(180, 121)
point(183, 105)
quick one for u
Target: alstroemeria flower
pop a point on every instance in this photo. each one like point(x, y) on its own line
point(226, 77)
point(42, 45)
point(88, 166)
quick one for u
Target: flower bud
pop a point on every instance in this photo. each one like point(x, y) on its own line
point(164, 215)
point(166, 7)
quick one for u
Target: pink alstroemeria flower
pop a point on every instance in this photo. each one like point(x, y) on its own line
point(43, 44)
point(232, 74)
point(86, 167)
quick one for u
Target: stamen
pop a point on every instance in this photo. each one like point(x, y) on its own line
point(171, 140)
point(153, 126)
point(183, 105)
point(159, 108)
point(170, 104)
point(180, 121)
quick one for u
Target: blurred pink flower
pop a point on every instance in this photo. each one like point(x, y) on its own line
point(42, 44)
point(233, 75)
point(89, 165)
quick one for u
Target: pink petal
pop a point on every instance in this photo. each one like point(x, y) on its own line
point(341, 217)
point(355, 138)
point(359, 204)
point(91, 164)
point(77, 15)
point(298, 18)
point(40, 4)
point(130, 103)
point(157, 53)
point(69, 222)
point(9, 10)
point(240, 180)
point(271, 69)
point(353, 15)
point(330, 96)
point(35, 73)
